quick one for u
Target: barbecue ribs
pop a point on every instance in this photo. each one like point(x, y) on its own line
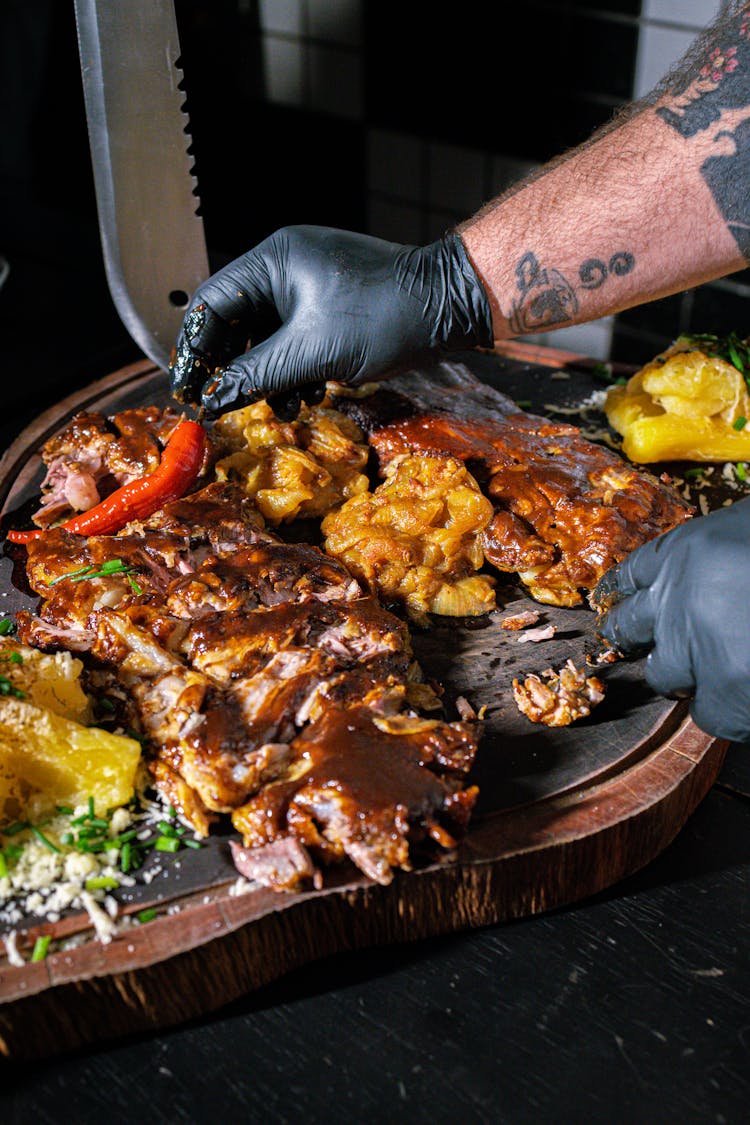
point(267, 685)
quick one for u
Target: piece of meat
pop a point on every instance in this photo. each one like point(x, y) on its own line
point(228, 645)
point(266, 574)
point(219, 514)
point(521, 620)
point(567, 509)
point(284, 864)
point(365, 788)
point(94, 455)
point(558, 698)
point(543, 633)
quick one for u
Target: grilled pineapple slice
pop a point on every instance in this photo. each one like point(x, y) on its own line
point(48, 756)
point(690, 403)
point(50, 681)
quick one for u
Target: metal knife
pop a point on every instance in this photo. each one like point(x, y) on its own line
point(152, 237)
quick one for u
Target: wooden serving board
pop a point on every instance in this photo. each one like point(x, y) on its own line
point(562, 813)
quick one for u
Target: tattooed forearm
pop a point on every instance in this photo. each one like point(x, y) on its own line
point(715, 91)
point(546, 297)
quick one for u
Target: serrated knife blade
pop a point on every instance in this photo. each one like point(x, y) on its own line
point(152, 238)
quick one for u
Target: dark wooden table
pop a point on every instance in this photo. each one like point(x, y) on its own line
point(631, 1007)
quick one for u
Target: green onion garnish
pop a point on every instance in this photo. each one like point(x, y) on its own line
point(167, 844)
point(3, 866)
point(741, 471)
point(6, 627)
point(91, 807)
point(14, 829)
point(192, 843)
point(7, 688)
point(689, 474)
point(125, 857)
point(44, 839)
point(70, 574)
point(64, 810)
point(101, 883)
point(41, 945)
point(146, 915)
point(134, 585)
point(740, 423)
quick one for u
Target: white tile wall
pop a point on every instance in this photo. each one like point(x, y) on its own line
point(335, 21)
point(394, 164)
point(336, 81)
point(283, 68)
point(395, 221)
point(456, 178)
point(281, 15)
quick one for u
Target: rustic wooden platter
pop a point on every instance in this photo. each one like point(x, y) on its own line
point(562, 814)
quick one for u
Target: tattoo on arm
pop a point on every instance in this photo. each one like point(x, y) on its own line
point(546, 297)
point(714, 89)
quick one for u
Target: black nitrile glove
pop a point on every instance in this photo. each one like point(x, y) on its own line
point(685, 596)
point(321, 304)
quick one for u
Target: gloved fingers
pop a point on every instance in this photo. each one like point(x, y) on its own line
point(238, 300)
point(637, 572)
point(190, 365)
point(668, 668)
point(629, 625)
point(722, 713)
point(276, 366)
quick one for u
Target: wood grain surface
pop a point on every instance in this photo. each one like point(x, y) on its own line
point(563, 814)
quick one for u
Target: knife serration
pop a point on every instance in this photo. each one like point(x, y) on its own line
point(152, 238)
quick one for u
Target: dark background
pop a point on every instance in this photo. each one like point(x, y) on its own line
point(379, 116)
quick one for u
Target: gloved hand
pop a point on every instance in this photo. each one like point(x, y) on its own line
point(685, 596)
point(321, 304)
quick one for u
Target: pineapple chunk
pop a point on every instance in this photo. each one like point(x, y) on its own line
point(51, 681)
point(48, 760)
point(684, 405)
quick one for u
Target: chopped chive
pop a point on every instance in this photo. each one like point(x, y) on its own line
point(101, 883)
point(126, 856)
point(689, 474)
point(41, 945)
point(125, 837)
point(735, 357)
point(44, 839)
point(64, 810)
point(91, 806)
point(741, 471)
point(3, 866)
point(171, 812)
point(91, 846)
point(167, 844)
point(70, 574)
point(192, 843)
point(740, 423)
point(14, 829)
point(134, 585)
point(13, 851)
point(167, 829)
point(146, 915)
point(6, 627)
point(67, 838)
point(99, 822)
point(7, 688)
point(12, 657)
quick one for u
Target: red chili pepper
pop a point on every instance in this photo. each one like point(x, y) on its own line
point(178, 469)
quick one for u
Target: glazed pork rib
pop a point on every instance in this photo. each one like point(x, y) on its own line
point(262, 677)
point(566, 510)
